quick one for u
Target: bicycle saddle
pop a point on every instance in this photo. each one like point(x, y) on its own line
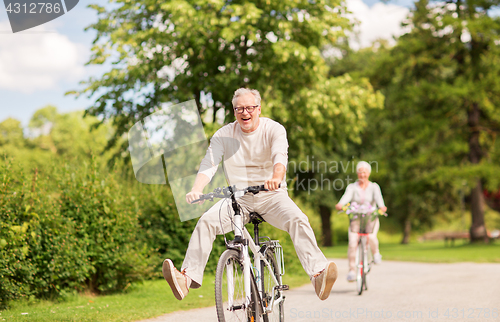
point(255, 218)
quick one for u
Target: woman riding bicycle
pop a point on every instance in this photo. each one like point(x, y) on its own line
point(362, 191)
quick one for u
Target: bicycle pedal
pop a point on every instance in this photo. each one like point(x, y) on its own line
point(283, 288)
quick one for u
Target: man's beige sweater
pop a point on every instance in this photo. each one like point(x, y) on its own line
point(249, 158)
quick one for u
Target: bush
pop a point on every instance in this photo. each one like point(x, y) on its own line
point(75, 229)
point(107, 228)
point(17, 233)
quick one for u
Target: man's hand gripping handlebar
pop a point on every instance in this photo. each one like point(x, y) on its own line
point(227, 192)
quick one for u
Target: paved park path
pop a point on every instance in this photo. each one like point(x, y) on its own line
point(397, 291)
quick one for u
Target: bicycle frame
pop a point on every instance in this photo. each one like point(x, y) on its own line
point(242, 242)
point(365, 236)
point(258, 258)
point(261, 295)
point(242, 234)
point(363, 262)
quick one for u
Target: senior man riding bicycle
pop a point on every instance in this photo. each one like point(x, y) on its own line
point(261, 156)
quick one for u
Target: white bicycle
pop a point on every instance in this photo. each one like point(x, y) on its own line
point(364, 261)
point(246, 290)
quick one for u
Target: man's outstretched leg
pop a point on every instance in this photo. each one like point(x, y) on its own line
point(179, 282)
point(198, 251)
point(199, 248)
point(281, 212)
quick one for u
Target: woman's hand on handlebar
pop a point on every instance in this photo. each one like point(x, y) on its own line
point(338, 206)
point(194, 195)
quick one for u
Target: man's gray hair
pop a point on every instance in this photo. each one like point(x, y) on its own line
point(242, 91)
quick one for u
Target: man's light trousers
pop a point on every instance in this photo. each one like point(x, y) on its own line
point(276, 208)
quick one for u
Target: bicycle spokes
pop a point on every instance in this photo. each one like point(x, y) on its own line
point(230, 284)
point(230, 296)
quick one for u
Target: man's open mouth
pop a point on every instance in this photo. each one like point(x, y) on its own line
point(245, 120)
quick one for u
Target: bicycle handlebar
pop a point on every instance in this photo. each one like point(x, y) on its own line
point(228, 192)
point(375, 213)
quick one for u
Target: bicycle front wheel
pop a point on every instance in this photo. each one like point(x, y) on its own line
point(272, 300)
point(368, 261)
point(230, 297)
point(360, 269)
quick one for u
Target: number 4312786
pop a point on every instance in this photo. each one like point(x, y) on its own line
point(471, 313)
point(39, 7)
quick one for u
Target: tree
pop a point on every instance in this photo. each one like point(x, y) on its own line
point(11, 133)
point(442, 116)
point(321, 136)
point(41, 124)
point(175, 51)
point(67, 134)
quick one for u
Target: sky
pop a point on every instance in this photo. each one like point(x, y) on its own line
point(38, 66)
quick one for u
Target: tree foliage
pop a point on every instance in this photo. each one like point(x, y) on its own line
point(438, 129)
point(68, 134)
point(204, 50)
point(331, 120)
point(11, 133)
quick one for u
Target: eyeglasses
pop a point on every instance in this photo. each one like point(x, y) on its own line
point(249, 109)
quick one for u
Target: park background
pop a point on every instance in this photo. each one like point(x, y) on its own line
point(423, 106)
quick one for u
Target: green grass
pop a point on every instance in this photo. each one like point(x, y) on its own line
point(142, 301)
point(432, 252)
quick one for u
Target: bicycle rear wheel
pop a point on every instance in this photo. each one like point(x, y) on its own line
point(277, 314)
point(230, 295)
point(360, 269)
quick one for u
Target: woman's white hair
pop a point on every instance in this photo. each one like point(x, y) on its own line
point(242, 91)
point(364, 164)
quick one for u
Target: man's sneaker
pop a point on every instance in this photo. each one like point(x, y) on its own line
point(377, 258)
point(324, 280)
point(351, 276)
point(179, 282)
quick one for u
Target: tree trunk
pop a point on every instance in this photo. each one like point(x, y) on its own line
point(477, 229)
point(326, 225)
point(406, 231)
